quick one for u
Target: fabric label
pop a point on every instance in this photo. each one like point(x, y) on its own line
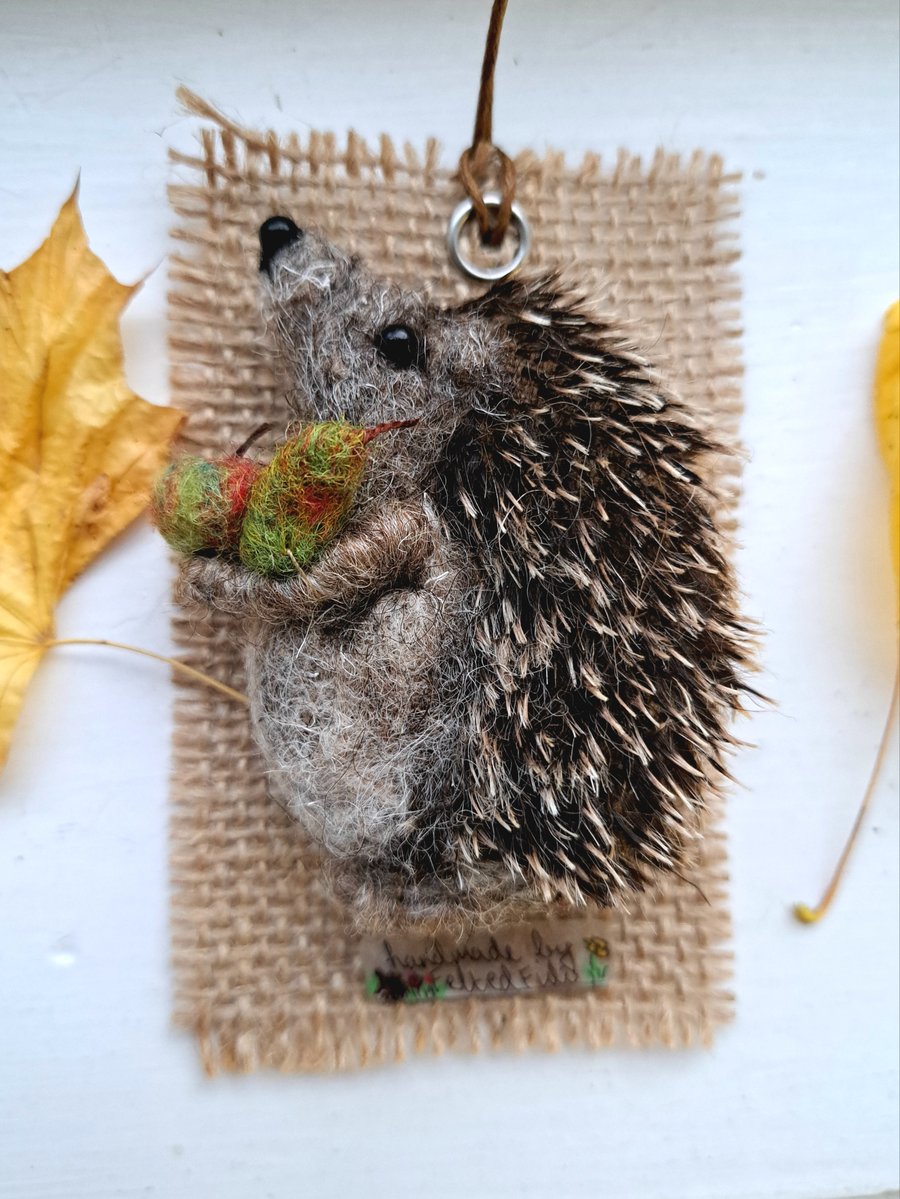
point(520, 959)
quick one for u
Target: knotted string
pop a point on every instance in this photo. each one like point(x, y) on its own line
point(475, 161)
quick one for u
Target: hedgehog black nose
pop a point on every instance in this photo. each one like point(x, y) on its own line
point(274, 234)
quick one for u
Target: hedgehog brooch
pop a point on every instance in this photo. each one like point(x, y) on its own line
point(504, 671)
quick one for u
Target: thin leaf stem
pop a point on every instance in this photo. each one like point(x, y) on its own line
point(148, 653)
point(807, 915)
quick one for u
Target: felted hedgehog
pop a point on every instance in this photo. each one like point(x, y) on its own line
point(509, 680)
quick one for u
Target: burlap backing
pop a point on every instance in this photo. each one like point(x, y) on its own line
point(265, 973)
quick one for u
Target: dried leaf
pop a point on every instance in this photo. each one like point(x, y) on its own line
point(887, 417)
point(887, 425)
point(78, 449)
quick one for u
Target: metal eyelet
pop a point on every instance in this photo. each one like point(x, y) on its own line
point(461, 216)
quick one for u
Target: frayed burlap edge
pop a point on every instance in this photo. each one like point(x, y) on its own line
point(264, 972)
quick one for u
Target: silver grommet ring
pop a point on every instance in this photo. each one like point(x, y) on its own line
point(461, 216)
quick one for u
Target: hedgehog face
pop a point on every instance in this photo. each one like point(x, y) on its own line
point(359, 348)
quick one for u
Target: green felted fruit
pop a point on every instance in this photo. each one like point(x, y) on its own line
point(275, 518)
point(198, 505)
point(302, 498)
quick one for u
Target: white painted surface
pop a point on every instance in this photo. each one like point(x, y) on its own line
point(98, 1097)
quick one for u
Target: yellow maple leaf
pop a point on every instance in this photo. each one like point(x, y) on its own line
point(78, 449)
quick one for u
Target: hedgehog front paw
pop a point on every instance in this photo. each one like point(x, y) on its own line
point(390, 550)
point(219, 585)
point(214, 584)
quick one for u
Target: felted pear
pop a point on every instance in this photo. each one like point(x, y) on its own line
point(198, 505)
point(275, 518)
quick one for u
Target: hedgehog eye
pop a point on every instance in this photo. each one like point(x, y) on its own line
point(401, 346)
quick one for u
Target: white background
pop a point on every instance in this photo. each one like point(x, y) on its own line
point(98, 1097)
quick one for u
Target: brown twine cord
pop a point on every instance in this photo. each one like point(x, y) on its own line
point(475, 160)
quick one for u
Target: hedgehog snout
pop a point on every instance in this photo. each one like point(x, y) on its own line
point(274, 234)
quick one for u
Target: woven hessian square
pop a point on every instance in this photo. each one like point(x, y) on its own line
point(265, 973)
